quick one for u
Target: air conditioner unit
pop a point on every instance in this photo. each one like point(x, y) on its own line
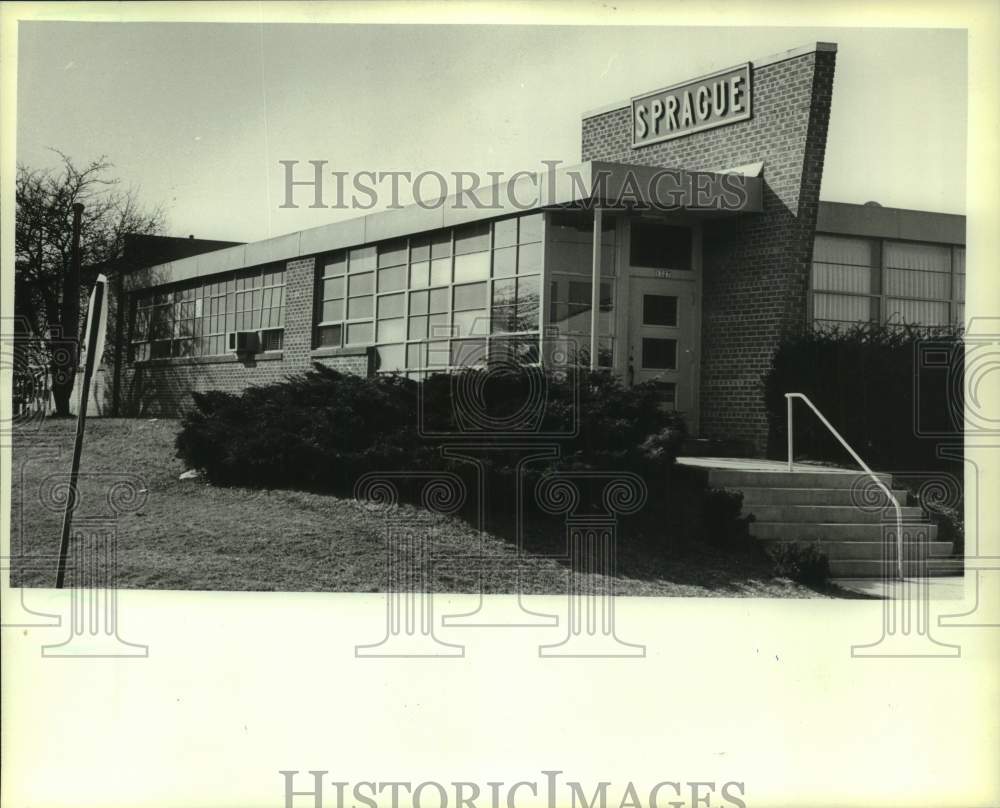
point(242, 342)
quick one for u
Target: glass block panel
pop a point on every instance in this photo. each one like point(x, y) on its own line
point(504, 233)
point(529, 259)
point(472, 238)
point(392, 280)
point(420, 275)
point(362, 259)
point(359, 307)
point(392, 305)
point(391, 330)
point(472, 267)
point(470, 296)
point(392, 253)
point(659, 354)
point(391, 358)
point(360, 333)
point(440, 271)
point(530, 228)
point(329, 336)
point(504, 262)
point(362, 284)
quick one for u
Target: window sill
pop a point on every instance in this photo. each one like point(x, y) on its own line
point(222, 359)
point(321, 353)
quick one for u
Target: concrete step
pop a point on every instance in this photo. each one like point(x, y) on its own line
point(756, 495)
point(934, 568)
point(835, 531)
point(870, 550)
point(738, 479)
point(828, 513)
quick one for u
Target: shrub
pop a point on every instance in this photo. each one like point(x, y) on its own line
point(323, 429)
point(804, 563)
point(951, 527)
point(721, 522)
point(862, 378)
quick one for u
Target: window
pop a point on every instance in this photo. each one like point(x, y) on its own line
point(660, 246)
point(857, 280)
point(193, 318)
point(436, 300)
point(659, 310)
point(659, 354)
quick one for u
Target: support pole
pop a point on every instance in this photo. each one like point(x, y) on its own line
point(595, 286)
point(93, 347)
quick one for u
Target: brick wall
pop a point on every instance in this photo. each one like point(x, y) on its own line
point(756, 267)
point(163, 387)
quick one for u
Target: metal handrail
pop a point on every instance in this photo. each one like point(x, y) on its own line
point(789, 397)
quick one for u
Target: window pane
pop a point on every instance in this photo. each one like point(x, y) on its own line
point(908, 255)
point(470, 296)
point(391, 357)
point(335, 265)
point(530, 228)
point(842, 278)
point(440, 271)
point(362, 259)
point(917, 283)
point(438, 326)
point(504, 292)
point(329, 336)
point(391, 280)
point(504, 262)
point(441, 244)
point(333, 310)
point(659, 310)
point(467, 352)
point(842, 250)
point(438, 354)
point(529, 259)
point(659, 354)
point(841, 308)
point(420, 249)
point(438, 301)
point(515, 350)
point(660, 246)
point(418, 302)
point(471, 323)
point(272, 339)
point(916, 312)
point(416, 355)
point(472, 238)
point(358, 307)
point(418, 328)
point(391, 305)
point(504, 233)
point(359, 333)
point(472, 267)
point(391, 330)
point(333, 287)
point(362, 284)
point(420, 275)
point(392, 253)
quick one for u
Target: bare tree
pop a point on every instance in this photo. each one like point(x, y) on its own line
point(43, 251)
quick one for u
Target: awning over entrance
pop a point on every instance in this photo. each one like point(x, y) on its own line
point(626, 186)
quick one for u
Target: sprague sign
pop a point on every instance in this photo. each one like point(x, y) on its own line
point(713, 100)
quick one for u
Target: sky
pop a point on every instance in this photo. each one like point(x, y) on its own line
point(197, 116)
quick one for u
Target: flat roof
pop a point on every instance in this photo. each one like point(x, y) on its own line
point(876, 221)
point(660, 187)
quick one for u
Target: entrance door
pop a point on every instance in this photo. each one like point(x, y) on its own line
point(663, 318)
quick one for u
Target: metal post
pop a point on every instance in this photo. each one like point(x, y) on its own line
point(595, 286)
point(788, 399)
point(81, 423)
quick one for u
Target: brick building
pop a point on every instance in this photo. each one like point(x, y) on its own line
point(679, 252)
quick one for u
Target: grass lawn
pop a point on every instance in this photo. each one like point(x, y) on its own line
point(191, 535)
